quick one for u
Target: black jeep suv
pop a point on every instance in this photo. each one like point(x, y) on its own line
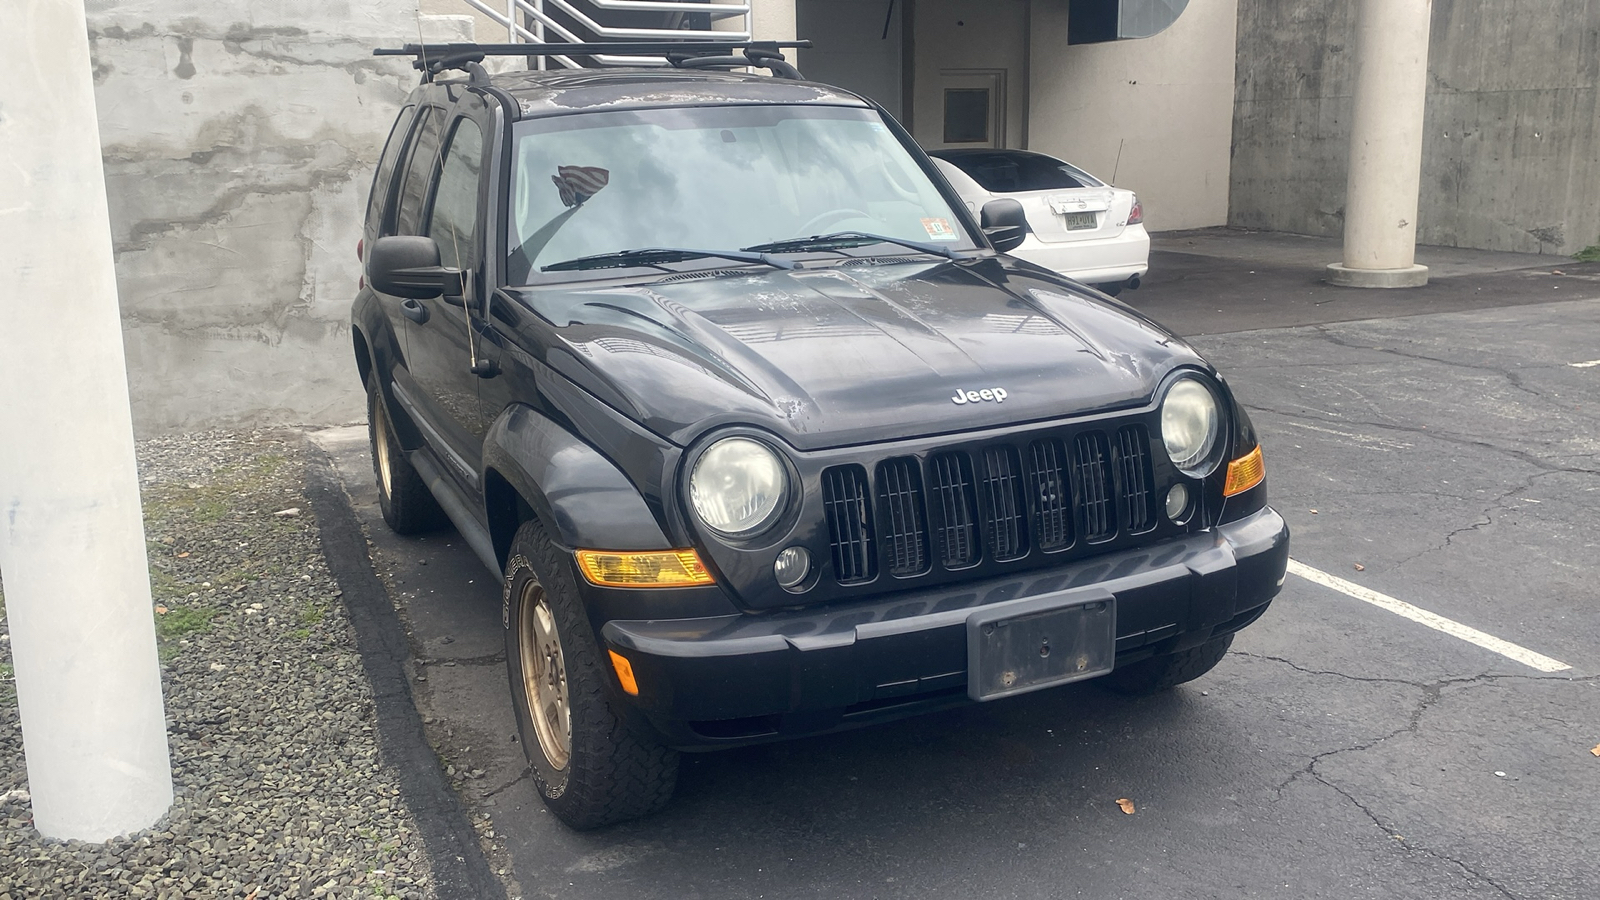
point(764, 434)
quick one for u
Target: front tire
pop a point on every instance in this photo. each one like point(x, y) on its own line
point(1165, 672)
point(407, 505)
point(591, 769)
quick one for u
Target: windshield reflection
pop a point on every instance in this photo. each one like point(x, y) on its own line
point(714, 178)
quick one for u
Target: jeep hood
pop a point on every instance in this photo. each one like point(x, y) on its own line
point(853, 353)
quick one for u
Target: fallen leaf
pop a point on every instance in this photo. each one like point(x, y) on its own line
point(183, 555)
point(161, 610)
point(1557, 272)
point(289, 513)
point(1596, 750)
point(1360, 567)
point(1127, 805)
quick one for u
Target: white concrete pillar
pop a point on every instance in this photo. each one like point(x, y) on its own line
point(1380, 211)
point(72, 547)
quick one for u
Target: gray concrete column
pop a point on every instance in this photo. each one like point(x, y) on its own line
point(72, 546)
point(1380, 212)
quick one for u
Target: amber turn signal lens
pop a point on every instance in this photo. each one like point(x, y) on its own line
point(624, 672)
point(1244, 473)
point(654, 568)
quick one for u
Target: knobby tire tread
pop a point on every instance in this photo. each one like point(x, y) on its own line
point(613, 774)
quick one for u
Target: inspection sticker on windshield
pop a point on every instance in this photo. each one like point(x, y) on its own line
point(939, 229)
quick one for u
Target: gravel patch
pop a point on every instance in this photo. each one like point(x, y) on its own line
point(280, 788)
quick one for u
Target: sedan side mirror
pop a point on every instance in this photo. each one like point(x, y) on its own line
point(1004, 223)
point(407, 265)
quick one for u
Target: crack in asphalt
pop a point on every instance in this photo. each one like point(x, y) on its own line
point(1444, 436)
point(1513, 378)
point(521, 777)
point(493, 659)
point(1432, 692)
point(1486, 518)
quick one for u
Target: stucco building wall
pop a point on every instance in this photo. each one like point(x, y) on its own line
point(1511, 153)
point(1164, 103)
point(239, 140)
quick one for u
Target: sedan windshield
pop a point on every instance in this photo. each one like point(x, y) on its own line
point(714, 179)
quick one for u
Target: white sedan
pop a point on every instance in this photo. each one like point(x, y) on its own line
point(1077, 224)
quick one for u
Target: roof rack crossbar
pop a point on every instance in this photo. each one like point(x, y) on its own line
point(432, 59)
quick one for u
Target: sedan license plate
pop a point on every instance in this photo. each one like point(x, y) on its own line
point(1054, 639)
point(1078, 221)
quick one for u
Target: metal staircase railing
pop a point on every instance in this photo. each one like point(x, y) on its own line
point(560, 21)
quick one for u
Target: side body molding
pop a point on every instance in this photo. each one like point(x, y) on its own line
point(581, 497)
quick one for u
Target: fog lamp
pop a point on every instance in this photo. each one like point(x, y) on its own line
point(791, 567)
point(1177, 502)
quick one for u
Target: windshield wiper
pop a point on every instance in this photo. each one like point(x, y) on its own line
point(653, 256)
point(840, 239)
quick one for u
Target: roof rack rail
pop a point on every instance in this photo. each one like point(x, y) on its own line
point(431, 59)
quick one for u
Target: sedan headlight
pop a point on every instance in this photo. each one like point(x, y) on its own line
point(1190, 424)
point(737, 486)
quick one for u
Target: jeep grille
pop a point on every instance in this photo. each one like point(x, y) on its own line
point(999, 502)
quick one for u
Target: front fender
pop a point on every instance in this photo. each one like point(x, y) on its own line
point(584, 500)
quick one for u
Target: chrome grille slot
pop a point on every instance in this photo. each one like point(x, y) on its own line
point(849, 516)
point(954, 509)
point(1091, 476)
point(1005, 530)
point(1050, 494)
point(1133, 473)
point(904, 527)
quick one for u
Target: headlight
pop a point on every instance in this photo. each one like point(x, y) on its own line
point(737, 486)
point(1190, 424)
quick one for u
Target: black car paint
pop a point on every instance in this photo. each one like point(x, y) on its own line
point(607, 385)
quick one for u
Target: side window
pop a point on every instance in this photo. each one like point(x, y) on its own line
point(378, 197)
point(424, 157)
point(452, 220)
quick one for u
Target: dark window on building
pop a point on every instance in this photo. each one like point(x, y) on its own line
point(966, 115)
point(452, 222)
point(1092, 21)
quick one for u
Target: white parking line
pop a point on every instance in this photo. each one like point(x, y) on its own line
point(1585, 365)
point(1436, 622)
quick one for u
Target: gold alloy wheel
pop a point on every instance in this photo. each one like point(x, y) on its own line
point(544, 675)
point(380, 440)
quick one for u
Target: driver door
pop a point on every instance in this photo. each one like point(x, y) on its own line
point(444, 340)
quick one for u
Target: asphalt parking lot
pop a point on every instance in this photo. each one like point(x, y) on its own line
point(1441, 449)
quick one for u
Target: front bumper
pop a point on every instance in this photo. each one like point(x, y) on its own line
point(726, 680)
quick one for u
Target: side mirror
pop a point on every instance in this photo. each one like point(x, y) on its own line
point(1004, 223)
point(407, 265)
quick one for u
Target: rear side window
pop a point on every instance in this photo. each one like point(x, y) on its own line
point(1005, 172)
point(378, 197)
point(452, 222)
point(423, 161)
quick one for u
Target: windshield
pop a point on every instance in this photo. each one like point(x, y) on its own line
point(713, 178)
point(1012, 171)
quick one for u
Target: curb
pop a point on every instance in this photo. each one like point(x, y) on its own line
point(460, 870)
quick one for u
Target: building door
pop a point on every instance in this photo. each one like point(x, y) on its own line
point(969, 73)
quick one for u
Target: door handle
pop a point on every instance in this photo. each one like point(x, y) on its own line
point(414, 311)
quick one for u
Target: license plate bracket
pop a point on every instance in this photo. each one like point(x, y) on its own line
point(1055, 639)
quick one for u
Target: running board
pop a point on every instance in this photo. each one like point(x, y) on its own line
point(455, 506)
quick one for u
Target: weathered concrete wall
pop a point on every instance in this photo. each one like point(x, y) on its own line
point(1511, 156)
point(239, 140)
point(1164, 103)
